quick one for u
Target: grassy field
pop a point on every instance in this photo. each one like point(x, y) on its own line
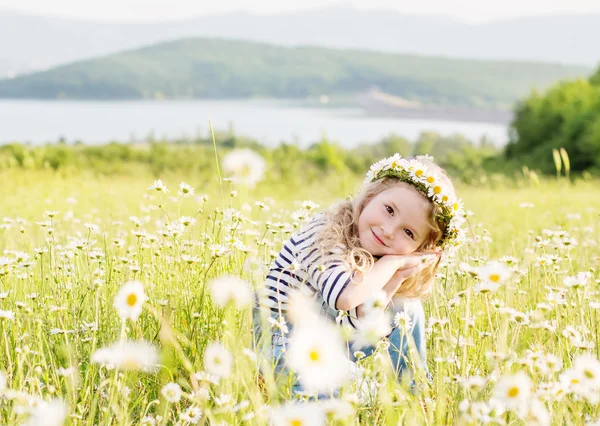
point(69, 244)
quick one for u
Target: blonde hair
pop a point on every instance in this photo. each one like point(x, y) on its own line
point(341, 230)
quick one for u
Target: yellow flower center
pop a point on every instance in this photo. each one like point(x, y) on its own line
point(394, 164)
point(445, 198)
point(455, 206)
point(314, 355)
point(430, 179)
point(437, 189)
point(131, 300)
point(588, 374)
point(494, 278)
point(419, 173)
point(513, 392)
point(296, 422)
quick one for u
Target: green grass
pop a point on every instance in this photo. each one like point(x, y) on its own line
point(181, 320)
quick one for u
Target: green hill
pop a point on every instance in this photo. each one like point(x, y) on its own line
point(216, 68)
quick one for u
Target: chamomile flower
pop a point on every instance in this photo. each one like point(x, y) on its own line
point(128, 355)
point(494, 272)
point(218, 360)
point(578, 281)
point(297, 414)
point(192, 415)
point(171, 392)
point(229, 288)
point(245, 166)
point(158, 186)
point(185, 190)
point(47, 413)
point(514, 391)
point(316, 354)
point(129, 300)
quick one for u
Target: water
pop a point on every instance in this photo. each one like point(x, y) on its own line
point(270, 122)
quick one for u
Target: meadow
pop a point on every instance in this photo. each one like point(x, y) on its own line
point(109, 312)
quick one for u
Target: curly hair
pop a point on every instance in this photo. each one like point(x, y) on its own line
point(341, 232)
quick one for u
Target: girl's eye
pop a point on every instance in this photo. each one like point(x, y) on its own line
point(389, 210)
point(409, 233)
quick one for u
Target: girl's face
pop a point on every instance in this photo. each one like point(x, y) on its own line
point(394, 221)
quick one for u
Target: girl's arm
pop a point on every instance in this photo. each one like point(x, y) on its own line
point(380, 276)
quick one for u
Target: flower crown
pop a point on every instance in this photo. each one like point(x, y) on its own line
point(429, 184)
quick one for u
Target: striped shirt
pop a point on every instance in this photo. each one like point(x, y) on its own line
point(301, 265)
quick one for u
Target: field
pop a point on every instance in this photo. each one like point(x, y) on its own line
point(512, 353)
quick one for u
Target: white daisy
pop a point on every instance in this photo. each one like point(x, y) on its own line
point(245, 166)
point(192, 415)
point(158, 186)
point(171, 392)
point(298, 414)
point(185, 190)
point(229, 288)
point(514, 391)
point(494, 272)
point(128, 355)
point(578, 281)
point(371, 328)
point(218, 360)
point(129, 300)
point(48, 413)
point(316, 354)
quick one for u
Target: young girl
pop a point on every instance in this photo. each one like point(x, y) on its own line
point(388, 238)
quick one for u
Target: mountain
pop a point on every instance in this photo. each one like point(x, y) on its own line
point(32, 42)
point(217, 68)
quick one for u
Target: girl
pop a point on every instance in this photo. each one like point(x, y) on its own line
point(387, 240)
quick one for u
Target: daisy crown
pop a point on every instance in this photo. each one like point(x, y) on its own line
point(431, 185)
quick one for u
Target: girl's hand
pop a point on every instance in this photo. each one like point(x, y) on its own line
point(411, 264)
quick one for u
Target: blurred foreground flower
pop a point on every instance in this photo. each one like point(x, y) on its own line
point(316, 353)
point(294, 413)
point(514, 392)
point(230, 288)
point(48, 413)
point(244, 166)
point(171, 392)
point(218, 360)
point(129, 300)
point(128, 355)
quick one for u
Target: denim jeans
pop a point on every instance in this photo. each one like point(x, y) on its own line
point(274, 349)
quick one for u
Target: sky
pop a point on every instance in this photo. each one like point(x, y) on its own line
point(149, 10)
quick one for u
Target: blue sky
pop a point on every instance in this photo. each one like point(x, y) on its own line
point(143, 10)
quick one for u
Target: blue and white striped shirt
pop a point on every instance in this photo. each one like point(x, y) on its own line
point(301, 265)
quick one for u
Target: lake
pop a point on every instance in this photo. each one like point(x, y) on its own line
point(270, 122)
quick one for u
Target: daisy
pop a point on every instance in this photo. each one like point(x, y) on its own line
point(171, 392)
point(185, 190)
point(298, 414)
point(494, 272)
point(218, 360)
point(192, 415)
point(245, 166)
point(158, 186)
point(48, 413)
point(316, 354)
point(578, 281)
point(514, 391)
point(129, 300)
point(7, 315)
point(371, 328)
point(229, 288)
point(128, 355)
